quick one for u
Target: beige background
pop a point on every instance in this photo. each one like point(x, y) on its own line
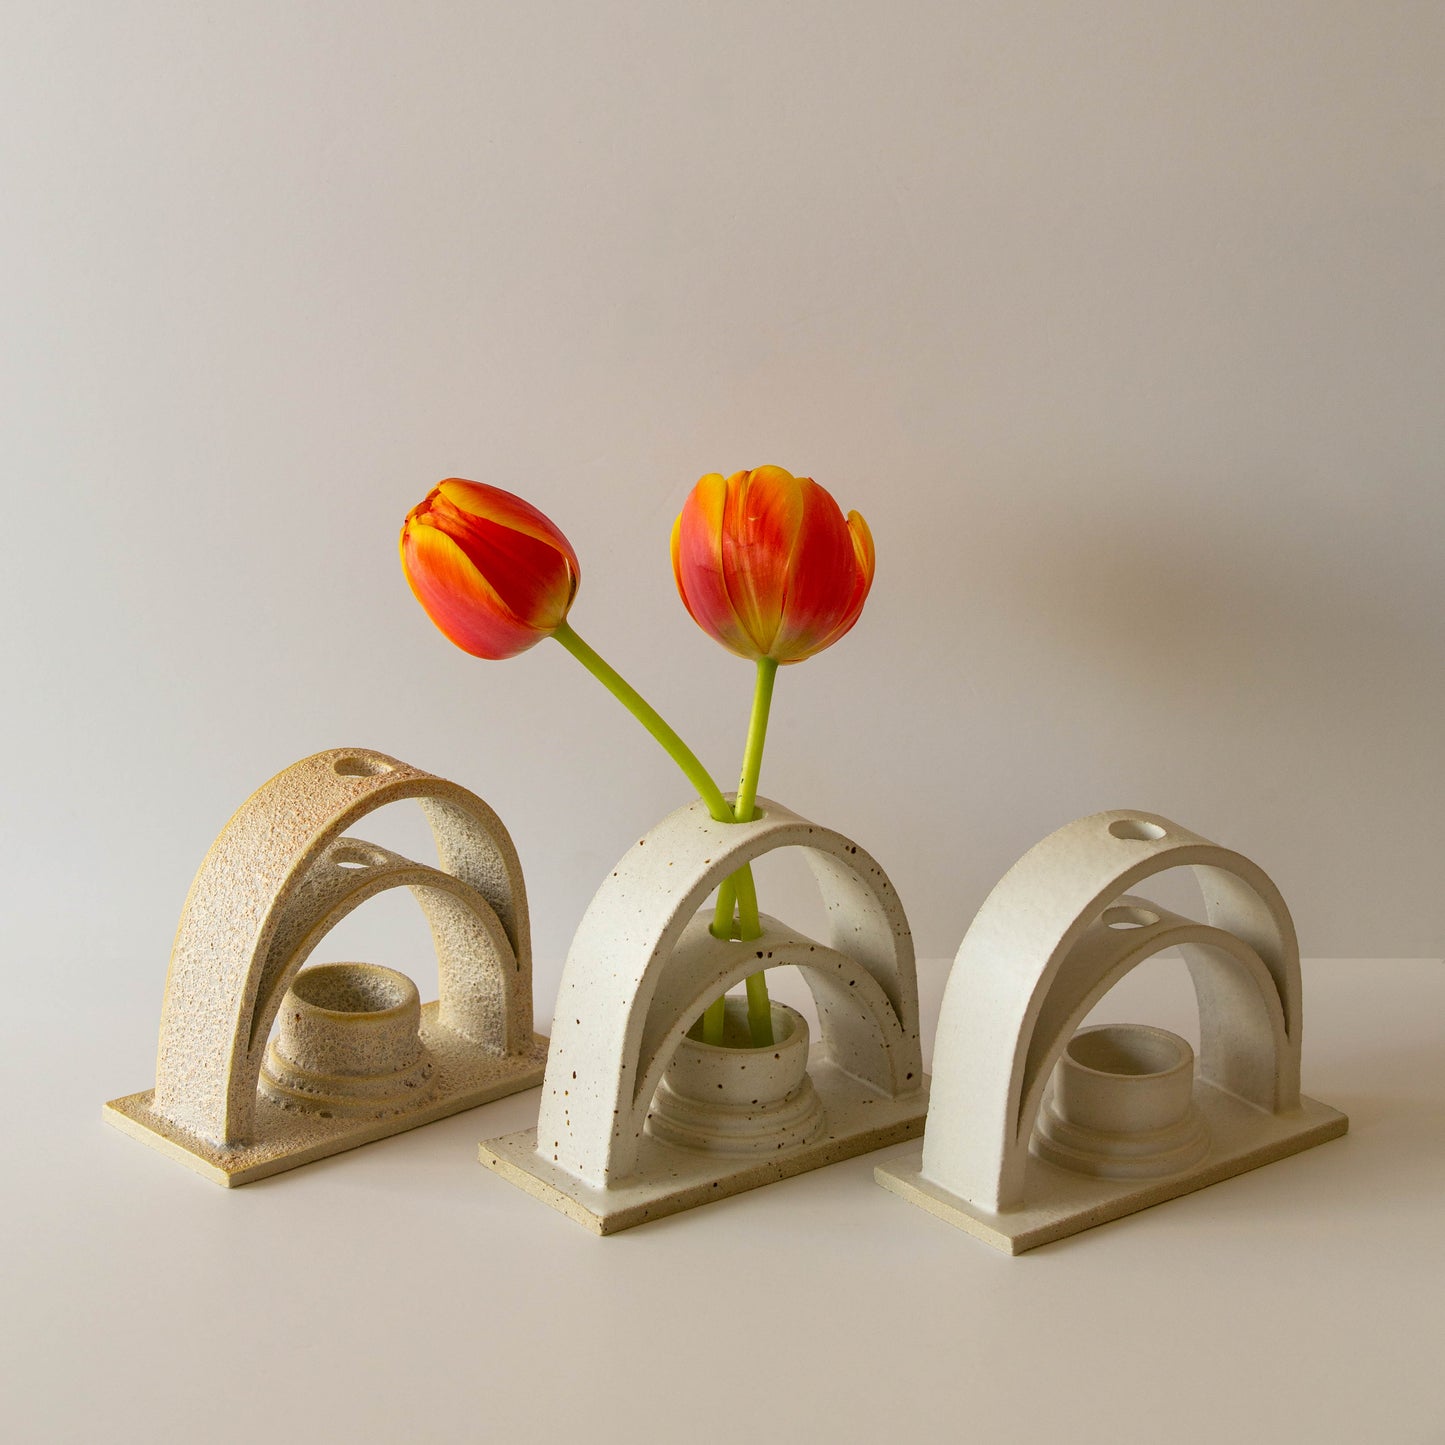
point(1124, 325)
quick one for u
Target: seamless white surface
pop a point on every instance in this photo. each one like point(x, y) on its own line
point(1120, 322)
point(402, 1292)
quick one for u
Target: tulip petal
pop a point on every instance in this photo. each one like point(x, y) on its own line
point(822, 575)
point(516, 514)
point(764, 516)
point(862, 537)
point(456, 597)
point(861, 540)
point(698, 568)
point(534, 579)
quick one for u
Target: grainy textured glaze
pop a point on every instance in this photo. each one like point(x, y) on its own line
point(281, 874)
point(642, 967)
point(1052, 938)
point(348, 1044)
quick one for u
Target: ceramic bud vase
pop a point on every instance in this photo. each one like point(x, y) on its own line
point(357, 1055)
point(638, 1120)
point(1039, 1128)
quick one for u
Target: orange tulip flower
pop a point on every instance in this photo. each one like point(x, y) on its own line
point(491, 571)
point(768, 566)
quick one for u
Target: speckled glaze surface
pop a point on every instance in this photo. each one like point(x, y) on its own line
point(642, 967)
point(1053, 937)
point(280, 876)
point(733, 1099)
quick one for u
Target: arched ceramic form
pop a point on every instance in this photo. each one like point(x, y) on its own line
point(1053, 937)
point(280, 876)
point(643, 966)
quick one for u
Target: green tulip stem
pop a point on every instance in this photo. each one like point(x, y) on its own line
point(652, 720)
point(760, 1010)
point(757, 737)
point(738, 890)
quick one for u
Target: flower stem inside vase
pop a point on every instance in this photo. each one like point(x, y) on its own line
point(738, 889)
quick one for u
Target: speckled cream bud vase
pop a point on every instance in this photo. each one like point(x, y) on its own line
point(638, 1120)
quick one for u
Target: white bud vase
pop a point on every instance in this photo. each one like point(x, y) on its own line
point(638, 1121)
point(1040, 1128)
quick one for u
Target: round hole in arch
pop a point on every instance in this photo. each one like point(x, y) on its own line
point(358, 765)
point(1140, 830)
point(353, 855)
point(1126, 916)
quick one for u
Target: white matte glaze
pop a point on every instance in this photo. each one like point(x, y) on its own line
point(1059, 930)
point(643, 966)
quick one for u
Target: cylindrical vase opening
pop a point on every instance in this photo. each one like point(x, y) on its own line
point(348, 1043)
point(1121, 1105)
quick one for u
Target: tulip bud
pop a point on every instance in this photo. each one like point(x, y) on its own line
point(768, 566)
point(492, 572)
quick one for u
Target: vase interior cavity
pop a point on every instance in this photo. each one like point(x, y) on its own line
point(353, 988)
point(1128, 1049)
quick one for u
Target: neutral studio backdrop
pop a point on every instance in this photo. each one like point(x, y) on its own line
point(1123, 325)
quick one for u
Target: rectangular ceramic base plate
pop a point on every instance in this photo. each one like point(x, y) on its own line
point(466, 1076)
point(669, 1180)
point(1241, 1138)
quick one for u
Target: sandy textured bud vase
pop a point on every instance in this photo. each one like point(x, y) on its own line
point(638, 1120)
point(1039, 1129)
point(356, 1055)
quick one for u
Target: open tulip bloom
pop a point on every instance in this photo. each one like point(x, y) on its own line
point(765, 562)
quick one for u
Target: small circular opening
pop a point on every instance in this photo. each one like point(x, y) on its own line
point(350, 855)
point(1130, 1049)
point(358, 765)
point(351, 988)
point(1125, 916)
point(1138, 829)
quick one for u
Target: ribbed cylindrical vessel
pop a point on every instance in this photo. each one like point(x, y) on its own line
point(729, 1100)
point(1121, 1105)
point(348, 1044)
